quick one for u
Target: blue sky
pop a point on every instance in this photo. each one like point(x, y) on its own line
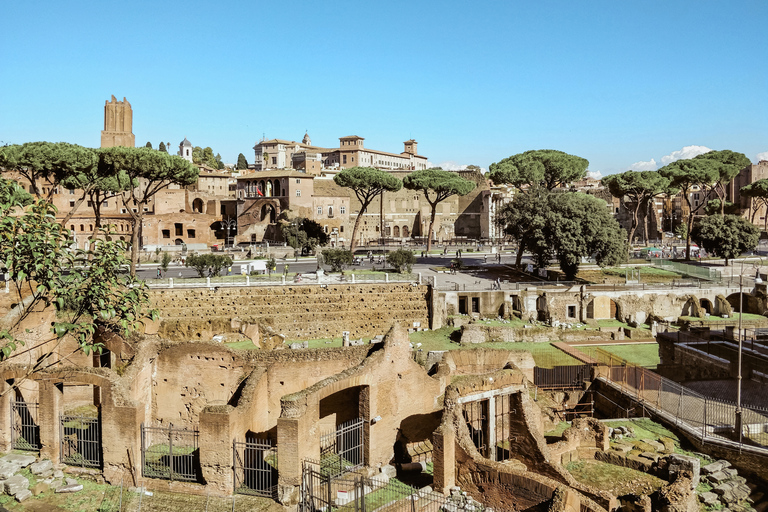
point(621, 83)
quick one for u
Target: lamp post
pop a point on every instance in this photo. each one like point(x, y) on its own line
point(230, 223)
point(738, 421)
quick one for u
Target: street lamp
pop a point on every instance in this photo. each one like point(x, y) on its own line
point(738, 413)
point(229, 223)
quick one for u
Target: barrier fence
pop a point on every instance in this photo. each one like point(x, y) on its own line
point(708, 418)
point(170, 453)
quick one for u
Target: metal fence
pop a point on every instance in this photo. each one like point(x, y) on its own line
point(25, 431)
point(355, 493)
point(280, 280)
point(255, 467)
point(341, 450)
point(706, 417)
point(170, 453)
point(562, 377)
point(710, 274)
point(80, 441)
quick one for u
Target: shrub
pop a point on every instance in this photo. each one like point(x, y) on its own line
point(337, 258)
point(401, 259)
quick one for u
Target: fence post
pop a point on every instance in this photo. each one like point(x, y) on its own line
point(170, 280)
point(170, 449)
point(386, 277)
point(247, 280)
point(208, 281)
point(328, 486)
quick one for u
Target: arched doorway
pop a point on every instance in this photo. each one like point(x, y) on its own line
point(197, 205)
point(276, 188)
point(396, 231)
point(706, 305)
point(405, 232)
point(268, 211)
point(179, 241)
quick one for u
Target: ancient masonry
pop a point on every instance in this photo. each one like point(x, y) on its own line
point(297, 312)
point(118, 124)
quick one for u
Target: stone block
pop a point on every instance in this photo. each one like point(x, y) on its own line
point(18, 459)
point(39, 488)
point(70, 488)
point(15, 484)
point(718, 477)
point(38, 468)
point(709, 498)
point(71, 481)
point(23, 495)
point(715, 467)
point(8, 470)
point(389, 470)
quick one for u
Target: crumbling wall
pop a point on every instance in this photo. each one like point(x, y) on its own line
point(298, 312)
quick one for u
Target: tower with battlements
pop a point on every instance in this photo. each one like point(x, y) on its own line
point(118, 124)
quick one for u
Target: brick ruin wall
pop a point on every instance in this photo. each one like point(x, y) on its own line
point(298, 312)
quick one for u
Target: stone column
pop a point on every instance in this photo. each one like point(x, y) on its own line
point(216, 447)
point(121, 439)
point(444, 459)
point(298, 438)
point(48, 413)
point(6, 393)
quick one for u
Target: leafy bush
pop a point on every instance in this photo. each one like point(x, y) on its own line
point(401, 258)
point(337, 258)
point(211, 262)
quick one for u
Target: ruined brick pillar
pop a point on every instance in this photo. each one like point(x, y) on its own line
point(444, 459)
point(6, 393)
point(216, 438)
point(298, 439)
point(121, 439)
point(48, 414)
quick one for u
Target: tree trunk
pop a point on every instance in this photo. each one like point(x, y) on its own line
point(72, 211)
point(688, 238)
point(353, 241)
point(137, 221)
point(520, 250)
point(633, 226)
point(431, 226)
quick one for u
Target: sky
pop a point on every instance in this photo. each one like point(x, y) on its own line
point(624, 84)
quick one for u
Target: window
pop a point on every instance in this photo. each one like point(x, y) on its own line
point(341, 228)
point(166, 233)
point(71, 227)
point(325, 228)
point(179, 229)
point(344, 159)
point(105, 204)
point(190, 233)
point(571, 311)
point(342, 210)
point(71, 191)
point(298, 193)
point(90, 204)
point(71, 204)
point(82, 228)
point(298, 180)
point(319, 211)
point(134, 210)
point(475, 304)
point(274, 160)
point(330, 211)
point(123, 210)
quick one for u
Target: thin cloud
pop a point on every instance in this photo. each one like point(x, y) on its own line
point(762, 156)
point(685, 153)
point(595, 175)
point(450, 165)
point(650, 165)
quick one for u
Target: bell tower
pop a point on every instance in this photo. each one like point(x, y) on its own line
point(118, 124)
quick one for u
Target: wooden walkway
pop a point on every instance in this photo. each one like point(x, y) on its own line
point(574, 352)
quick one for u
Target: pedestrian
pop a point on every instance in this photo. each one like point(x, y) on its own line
point(229, 271)
point(498, 283)
point(498, 257)
point(485, 258)
point(159, 273)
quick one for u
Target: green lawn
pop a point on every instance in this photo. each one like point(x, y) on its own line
point(645, 354)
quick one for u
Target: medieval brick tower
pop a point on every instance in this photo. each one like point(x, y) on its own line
point(118, 124)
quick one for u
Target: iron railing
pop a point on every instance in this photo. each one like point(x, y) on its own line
point(170, 453)
point(341, 450)
point(80, 441)
point(25, 431)
point(255, 467)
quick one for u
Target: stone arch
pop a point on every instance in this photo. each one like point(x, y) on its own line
point(405, 232)
point(268, 191)
point(692, 307)
point(261, 186)
point(396, 231)
point(178, 241)
point(268, 211)
point(197, 205)
point(706, 306)
point(751, 303)
point(276, 188)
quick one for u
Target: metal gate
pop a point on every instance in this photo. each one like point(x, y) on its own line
point(255, 467)
point(170, 453)
point(562, 377)
point(342, 450)
point(80, 441)
point(25, 432)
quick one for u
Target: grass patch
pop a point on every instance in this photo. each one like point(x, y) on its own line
point(718, 319)
point(558, 430)
point(646, 429)
point(615, 479)
point(241, 345)
point(645, 354)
